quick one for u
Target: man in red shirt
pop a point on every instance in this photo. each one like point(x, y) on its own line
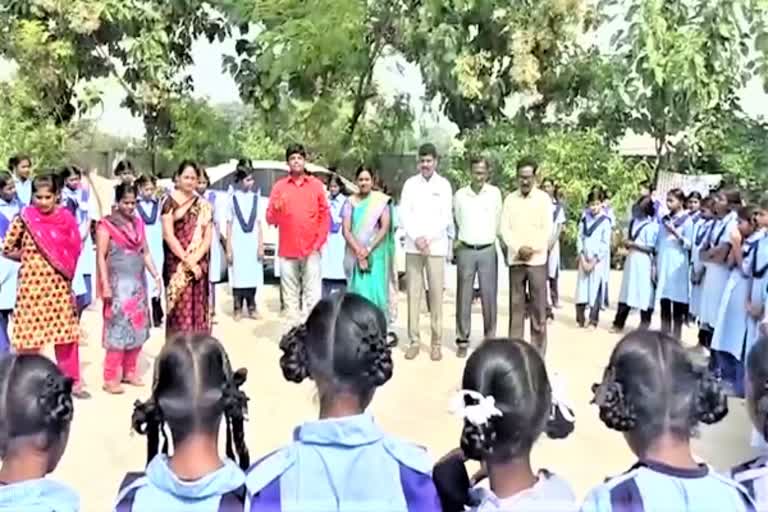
point(299, 208)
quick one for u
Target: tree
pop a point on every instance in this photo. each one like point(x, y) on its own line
point(309, 67)
point(477, 55)
point(683, 61)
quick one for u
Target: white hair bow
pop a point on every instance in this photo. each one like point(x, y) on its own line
point(477, 414)
point(560, 397)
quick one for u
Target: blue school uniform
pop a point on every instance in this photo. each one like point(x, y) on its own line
point(149, 211)
point(701, 231)
point(9, 270)
point(86, 264)
point(347, 464)
point(753, 477)
point(758, 287)
point(40, 495)
point(593, 242)
point(636, 290)
point(161, 489)
point(218, 256)
point(652, 487)
point(23, 190)
point(716, 275)
point(334, 251)
point(673, 259)
point(553, 258)
point(245, 215)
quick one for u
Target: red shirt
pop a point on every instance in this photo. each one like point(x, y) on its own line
point(299, 209)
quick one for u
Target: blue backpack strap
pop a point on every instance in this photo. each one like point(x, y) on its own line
point(233, 501)
point(126, 503)
point(419, 491)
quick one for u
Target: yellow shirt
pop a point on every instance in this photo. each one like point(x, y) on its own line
point(526, 221)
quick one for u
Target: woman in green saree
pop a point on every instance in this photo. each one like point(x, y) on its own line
point(367, 229)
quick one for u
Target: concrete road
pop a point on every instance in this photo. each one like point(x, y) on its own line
point(413, 405)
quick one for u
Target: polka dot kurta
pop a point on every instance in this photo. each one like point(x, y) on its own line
point(45, 310)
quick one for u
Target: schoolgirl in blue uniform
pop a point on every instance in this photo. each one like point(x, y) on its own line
point(10, 206)
point(673, 264)
point(194, 389)
point(701, 230)
point(245, 243)
point(655, 395)
point(343, 461)
point(506, 403)
point(36, 412)
point(593, 246)
point(20, 166)
point(75, 194)
point(636, 290)
point(753, 474)
point(714, 255)
point(148, 208)
point(332, 257)
point(217, 268)
point(759, 275)
point(730, 334)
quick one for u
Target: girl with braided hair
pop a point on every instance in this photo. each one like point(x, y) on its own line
point(194, 389)
point(507, 401)
point(343, 461)
point(656, 395)
point(35, 415)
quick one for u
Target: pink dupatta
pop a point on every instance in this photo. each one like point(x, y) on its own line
point(56, 236)
point(122, 237)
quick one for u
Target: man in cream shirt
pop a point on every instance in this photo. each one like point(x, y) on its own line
point(425, 215)
point(477, 210)
point(526, 226)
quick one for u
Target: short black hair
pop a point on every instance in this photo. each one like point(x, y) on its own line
point(757, 376)
point(5, 179)
point(694, 195)
point(527, 162)
point(343, 343)
point(242, 171)
point(35, 400)
point(594, 195)
point(188, 163)
point(194, 386)
point(143, 180)
point(479, 159)
point(428, 149)
point(15, 160)
point(124, 167)
point(513, 373)
point(652, 386)
point(295, 149)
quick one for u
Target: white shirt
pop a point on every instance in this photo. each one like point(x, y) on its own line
point(426, 211)
point(477, 214)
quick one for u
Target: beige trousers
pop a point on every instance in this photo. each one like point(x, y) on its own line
point(415, 264)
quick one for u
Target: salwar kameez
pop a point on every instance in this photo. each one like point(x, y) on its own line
point(9, 270)
point(149, 212)
point(247, 271)
point(636, 284)
point(673, 271)
point(593, 244)
point(700, 235)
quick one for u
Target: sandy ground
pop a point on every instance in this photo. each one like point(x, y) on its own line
point(413, 405)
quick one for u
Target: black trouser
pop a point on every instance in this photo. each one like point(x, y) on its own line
point(244, 295)
point(622, 312)
point(673, 315)
point(157, 312)
point(554, 293)
point(594, 310)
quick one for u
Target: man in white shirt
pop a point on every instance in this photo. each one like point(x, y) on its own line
point(425, 215)
point(526, 228)
point(477, 211)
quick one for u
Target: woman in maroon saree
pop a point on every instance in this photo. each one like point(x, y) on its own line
point(187, 231)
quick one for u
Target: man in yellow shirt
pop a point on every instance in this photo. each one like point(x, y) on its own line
point(525, 229)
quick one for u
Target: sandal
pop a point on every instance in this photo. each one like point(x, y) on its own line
point(133, 381)
point(113, 388)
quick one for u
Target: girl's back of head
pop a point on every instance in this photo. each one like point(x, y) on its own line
point(342, 347)
point(651, 387)
point(35, 407)
point(194, 387)
point(512, 374)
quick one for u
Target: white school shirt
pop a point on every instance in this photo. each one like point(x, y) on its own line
point(426, 211)
point(477, 214)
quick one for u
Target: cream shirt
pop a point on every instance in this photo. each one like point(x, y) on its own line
point(477, 215)
point(426, 211)
point(527, 221)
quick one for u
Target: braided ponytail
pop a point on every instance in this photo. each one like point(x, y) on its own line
point(235, 411)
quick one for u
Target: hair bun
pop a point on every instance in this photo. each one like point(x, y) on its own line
point(295, 361)
point(145, 415)
point(616, 412)
point(477, 440)
point(377, 357)
point(711, 401)
point(56, 399)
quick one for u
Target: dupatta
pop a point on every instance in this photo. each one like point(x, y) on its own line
point(182, 276)
point(129, 240)
point(56, 236)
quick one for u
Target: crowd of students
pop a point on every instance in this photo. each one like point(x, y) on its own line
point(653, 390)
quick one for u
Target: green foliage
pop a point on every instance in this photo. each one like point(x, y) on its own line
point(476, 54)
